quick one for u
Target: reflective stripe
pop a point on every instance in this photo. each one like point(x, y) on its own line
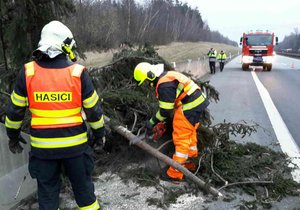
point(12, 124)
point(18, 100)
point(181, 155)
point(59, 142)
point(77, 70)
point(55, 121)
point(151, 121)
point(97, 124)
point(194, 103)
point(159, 117)
point(93, 206)
point(91, 101)
point(55, 113)
point(179, 89)
point(29, 68)
point(166, 105)
point(194, 148)
point(191, 88)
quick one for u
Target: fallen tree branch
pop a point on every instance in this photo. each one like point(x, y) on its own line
point(137, 140)
point(165, 143)
point(248, 182)
point(213, 170)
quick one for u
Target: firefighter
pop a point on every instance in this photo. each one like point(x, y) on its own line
point(179, 94)
point(212, 55)
point(55, 89)
point(222, 59)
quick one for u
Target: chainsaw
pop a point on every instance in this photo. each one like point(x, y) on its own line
point(158, 131)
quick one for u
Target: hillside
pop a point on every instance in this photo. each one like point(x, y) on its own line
point(174, 52)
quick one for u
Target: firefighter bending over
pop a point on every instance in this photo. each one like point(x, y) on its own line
point(175, 92)
point(55, 90)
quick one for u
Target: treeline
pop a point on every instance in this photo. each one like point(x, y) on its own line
point(290, 43)
point(100, 24)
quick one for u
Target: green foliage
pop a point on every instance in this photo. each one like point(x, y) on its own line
point(116, 86)
point(248, 163)
point(23, 24)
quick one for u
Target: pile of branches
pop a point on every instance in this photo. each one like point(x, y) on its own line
point(254, 169)
point(247, 167)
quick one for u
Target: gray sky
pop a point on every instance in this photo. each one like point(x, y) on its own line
point(233, 17)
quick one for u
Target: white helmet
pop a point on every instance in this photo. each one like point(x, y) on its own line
point(54, 35)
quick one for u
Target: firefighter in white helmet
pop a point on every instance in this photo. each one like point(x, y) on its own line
point(175, 92)
point(55, 90)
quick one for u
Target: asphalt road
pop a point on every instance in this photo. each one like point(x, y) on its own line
point(270, 99)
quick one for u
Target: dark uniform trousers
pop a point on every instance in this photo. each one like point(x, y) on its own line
point(212, 66)
point(79, 171)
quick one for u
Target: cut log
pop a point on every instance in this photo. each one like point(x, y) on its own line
point(138, 141)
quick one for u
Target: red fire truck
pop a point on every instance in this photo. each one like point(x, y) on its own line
point(258, 49)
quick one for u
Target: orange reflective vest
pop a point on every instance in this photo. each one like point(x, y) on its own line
point(54, 95)
point(186, 84)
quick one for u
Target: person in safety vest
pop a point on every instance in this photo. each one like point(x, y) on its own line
point(222, 59)
point(212, 55)
point(179, 94)
point(55, 90)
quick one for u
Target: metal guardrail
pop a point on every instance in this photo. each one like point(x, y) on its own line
point(15, 181)
point(289, 54)
point(199, 67)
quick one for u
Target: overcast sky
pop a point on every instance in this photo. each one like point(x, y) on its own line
point(233, 17)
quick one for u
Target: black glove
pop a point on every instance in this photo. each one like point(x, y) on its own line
point(101, 133)
point(149, 127)
point(97, 138)
point(14, 144)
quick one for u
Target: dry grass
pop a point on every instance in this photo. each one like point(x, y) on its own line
point(182, 51)
point(174, 52)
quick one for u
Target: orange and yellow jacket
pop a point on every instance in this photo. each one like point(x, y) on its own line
point(55, 91)
point(174, 90)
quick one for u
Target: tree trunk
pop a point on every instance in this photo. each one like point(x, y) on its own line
point(137, 140)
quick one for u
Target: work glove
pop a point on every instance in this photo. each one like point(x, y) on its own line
point(149, 128)
point(97, 139)
point(14, 144)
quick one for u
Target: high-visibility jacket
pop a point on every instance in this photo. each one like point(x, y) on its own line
point(54, 104)
point(185, 88)
point(212, 55)
point(222, 57)
point(68, 138)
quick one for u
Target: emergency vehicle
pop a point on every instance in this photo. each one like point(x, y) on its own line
point(258, 49)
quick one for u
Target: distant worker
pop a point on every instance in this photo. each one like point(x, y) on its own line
point(179, 94)
point(55, 90)
point(222, 59)
point(212, 55)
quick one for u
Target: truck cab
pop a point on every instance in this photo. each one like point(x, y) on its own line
point(258, 49)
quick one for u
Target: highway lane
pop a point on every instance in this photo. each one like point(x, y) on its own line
point(283, 84)
point(270, 99)
point(240, 100)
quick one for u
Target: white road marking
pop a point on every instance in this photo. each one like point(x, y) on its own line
point(286, 141)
